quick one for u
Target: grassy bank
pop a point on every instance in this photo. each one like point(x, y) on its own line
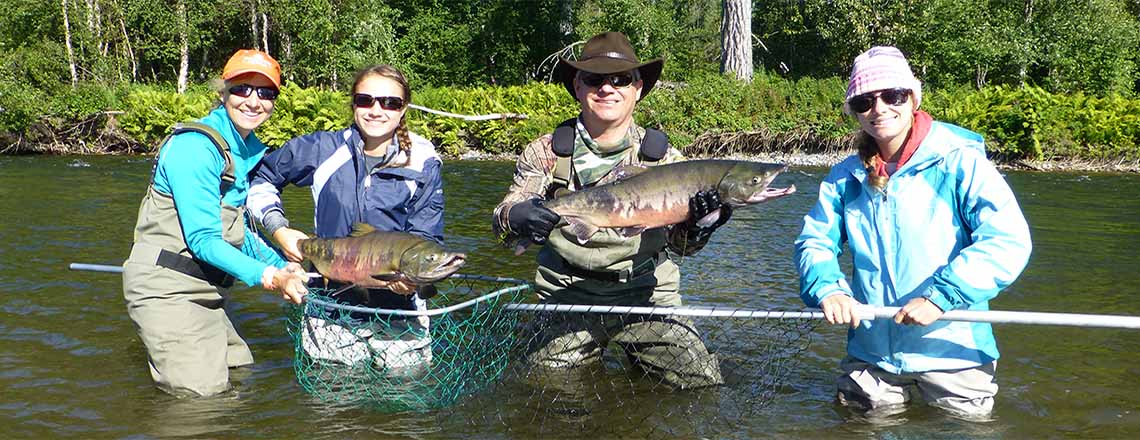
point(708, 116)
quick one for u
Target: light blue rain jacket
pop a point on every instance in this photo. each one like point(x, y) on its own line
point(947, 228)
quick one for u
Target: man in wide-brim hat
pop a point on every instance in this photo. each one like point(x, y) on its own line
point(607, 81)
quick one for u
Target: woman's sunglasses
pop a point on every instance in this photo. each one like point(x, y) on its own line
point(864, 102)
point(618, 80)
point(364, 100)
point(244, 90)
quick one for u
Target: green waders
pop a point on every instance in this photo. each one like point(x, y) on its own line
point(613, 270)
point(177, 302)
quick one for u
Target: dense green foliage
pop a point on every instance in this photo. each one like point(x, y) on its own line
point(803, 114)
point(1040, 78)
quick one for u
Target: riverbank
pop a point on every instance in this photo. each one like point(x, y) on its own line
point(828, 159)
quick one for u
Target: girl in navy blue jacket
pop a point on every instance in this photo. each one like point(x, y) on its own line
point(374, 172)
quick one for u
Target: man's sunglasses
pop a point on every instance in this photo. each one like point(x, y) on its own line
point(618, 80)
point(864, 102)
point(364, 100)
point(244, 90)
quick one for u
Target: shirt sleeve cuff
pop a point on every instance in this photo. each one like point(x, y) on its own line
point(273, 221)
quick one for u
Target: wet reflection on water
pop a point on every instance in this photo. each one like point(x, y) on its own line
point(72, 365)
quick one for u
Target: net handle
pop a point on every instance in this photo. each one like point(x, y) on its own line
point(519, 285)
point(864, 311)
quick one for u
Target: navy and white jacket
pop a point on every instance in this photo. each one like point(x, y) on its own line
point(331, 163)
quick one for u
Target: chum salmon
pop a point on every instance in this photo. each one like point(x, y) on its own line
point(649, 197)
point(371, 258)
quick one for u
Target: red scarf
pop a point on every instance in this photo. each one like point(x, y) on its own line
point(918, 131)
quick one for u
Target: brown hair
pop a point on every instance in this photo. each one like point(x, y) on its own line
point(869, 153)
point(392, 73)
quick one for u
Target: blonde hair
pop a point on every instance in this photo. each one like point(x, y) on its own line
point(403, 138)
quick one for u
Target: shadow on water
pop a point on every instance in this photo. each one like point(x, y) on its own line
point(73, 367)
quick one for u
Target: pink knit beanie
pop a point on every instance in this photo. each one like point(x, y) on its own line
point(880, 68)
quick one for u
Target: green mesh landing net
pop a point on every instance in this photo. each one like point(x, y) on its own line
point(612, 372)
point(398, 360)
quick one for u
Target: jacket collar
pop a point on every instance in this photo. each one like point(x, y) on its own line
point(220, 120)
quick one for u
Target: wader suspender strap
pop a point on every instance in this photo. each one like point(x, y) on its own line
point(215, 137)
point(178, 262)
point(654, 146)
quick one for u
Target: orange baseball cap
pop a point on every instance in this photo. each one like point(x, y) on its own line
point(255, 61)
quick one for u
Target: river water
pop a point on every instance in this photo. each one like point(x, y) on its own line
point(72, 366)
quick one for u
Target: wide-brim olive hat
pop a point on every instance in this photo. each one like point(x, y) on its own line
point(608, 52)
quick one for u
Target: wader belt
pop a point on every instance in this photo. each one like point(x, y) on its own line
point(195, 268)
point(639, 269)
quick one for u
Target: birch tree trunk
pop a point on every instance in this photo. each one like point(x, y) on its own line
point(184, 47)
point(127, 47)
point(736, 39)
point(253, 23)
point(264, 32)
point(67, 42)
point(1022, 68)
point(566, 17)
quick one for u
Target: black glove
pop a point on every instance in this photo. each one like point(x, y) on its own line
point(701, 204)
point(531, 220)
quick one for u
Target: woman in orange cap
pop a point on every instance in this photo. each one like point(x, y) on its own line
point(191, 241)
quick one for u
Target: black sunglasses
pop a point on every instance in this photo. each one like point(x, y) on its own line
point(244, 90)
point(618, 80)
point(864, 102)
point(364, 100)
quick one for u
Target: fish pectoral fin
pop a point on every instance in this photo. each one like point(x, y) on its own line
point(388, 276)
point(626, 171)
point(709, 219)
point(361, 229)
point(630, 231)
point(581, 229)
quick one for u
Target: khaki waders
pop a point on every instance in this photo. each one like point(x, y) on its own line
point(614, 270)
point(178, 303)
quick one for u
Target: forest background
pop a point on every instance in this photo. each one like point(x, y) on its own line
point(1043, 80)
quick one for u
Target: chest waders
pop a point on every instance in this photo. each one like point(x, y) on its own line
point(610, 268)
point(614, 270)
point(177, 301)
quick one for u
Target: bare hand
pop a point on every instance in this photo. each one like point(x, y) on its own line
point(919, 311)
point(287, 238)
point(402, 287)
point(290, 283)
point(840, 309)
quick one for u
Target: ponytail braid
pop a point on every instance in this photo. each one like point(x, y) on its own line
point(869, 153)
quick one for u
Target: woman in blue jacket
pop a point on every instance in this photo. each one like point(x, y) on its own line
point(191, 241)
point(374, 172)
point(932, 227)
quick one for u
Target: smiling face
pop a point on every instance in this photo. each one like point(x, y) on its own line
point(887, 124)
point(250, 112)
point(376, 124)
point(606, 105)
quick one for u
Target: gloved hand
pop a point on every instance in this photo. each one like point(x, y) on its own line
point(531, 220)
point(702, 204)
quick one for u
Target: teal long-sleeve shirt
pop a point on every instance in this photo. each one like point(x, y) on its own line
point(189, 170)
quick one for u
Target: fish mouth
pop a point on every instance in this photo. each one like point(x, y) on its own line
point(770, 194)
point(450, 265)
point(766, 193)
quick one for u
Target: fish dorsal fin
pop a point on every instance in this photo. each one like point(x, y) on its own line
point(581, 229)
point(361, 229)
point(626, 171)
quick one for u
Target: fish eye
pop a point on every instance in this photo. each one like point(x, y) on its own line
point(431, 258)
point(756, 180)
